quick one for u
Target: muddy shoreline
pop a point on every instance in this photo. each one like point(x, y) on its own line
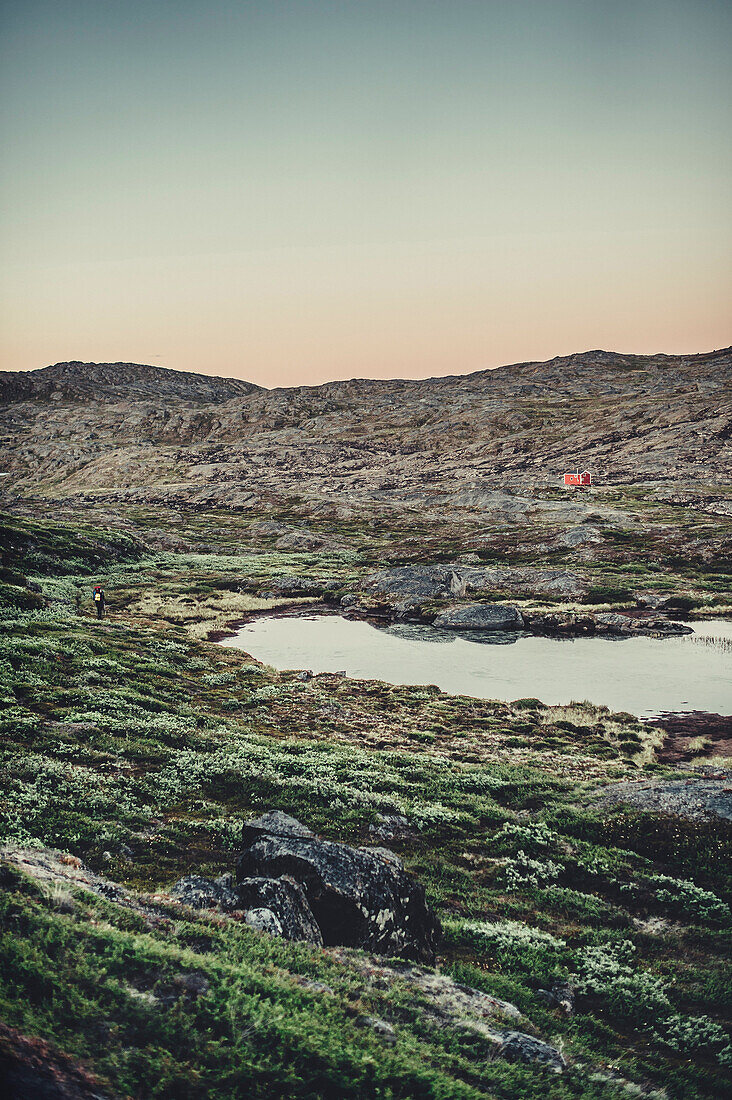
point(692, 734)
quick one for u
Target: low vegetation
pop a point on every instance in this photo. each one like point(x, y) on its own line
point(138, 747)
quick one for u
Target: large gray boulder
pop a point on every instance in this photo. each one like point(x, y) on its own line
point(480, 616)
point(359, 897)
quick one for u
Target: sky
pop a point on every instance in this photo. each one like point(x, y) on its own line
point(294, 191)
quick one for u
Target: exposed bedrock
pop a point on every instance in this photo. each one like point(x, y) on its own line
point(359, 897)
point(480, 616)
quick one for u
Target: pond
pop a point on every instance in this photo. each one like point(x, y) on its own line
point(645, 676)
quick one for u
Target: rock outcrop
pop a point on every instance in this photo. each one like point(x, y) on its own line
point(204, 893)
point(358, 897)
point(693, 798)
point(446, 1003)
point(480, 616)
point(458, 446)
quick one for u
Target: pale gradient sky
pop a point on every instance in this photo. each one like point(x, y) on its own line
point(292, 192)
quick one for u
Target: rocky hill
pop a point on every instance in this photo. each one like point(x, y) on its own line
point(122, 431)
point(117, 382)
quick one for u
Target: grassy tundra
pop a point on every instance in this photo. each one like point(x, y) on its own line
point(138, 747)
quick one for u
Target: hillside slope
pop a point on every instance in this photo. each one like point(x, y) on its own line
point(585, 921)
point(447, 443)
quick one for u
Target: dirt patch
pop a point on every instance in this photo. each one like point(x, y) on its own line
point(692, 735)
point(34, 1070)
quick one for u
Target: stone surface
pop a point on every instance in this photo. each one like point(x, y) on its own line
point(203, 893)
point(393, 827)
point(610, 622)
point(692, 798)
point(359, 897)
point(480, 616)
point(264, 920)
point(382, 1029)
point(478, 444)
point(519, 1047)
point(445, 1003)
point(285, 898)
point(273, 823)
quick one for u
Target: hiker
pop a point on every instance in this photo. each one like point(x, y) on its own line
point(99, 600)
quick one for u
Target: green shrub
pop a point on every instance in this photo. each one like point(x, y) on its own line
point(534, 838)
point(607, 594)
point(693, 1034)
point(22, 599)
point(690, 898)
point(523, 871)
point(512, 945)
point(606, 972)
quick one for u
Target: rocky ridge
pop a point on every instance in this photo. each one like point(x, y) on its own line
point(472, 443)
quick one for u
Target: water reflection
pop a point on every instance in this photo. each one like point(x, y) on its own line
point(636, 674)
point(417, 632)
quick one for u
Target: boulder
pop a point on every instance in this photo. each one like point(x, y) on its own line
point(359, 897)
point(519, 1047)
point(662, 601)
point(296, 586)
point(430, 581)
point(579, 536)
point(393, 827)
point(299, 540)
point(204, 893)
point(612, 622)
point(480, 616)
point(286, 900)
point(273, 823)
point(382, 1029)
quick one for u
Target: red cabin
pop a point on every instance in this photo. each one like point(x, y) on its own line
point(581, 479)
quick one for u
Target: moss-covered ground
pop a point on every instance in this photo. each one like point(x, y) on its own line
point(139, 747)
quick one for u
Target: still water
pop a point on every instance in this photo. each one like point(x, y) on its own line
point(642, 675)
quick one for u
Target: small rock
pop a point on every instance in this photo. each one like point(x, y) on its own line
point(264, 920)
point(519, 1047)
point(392, 827)
point(286, 899)
point(299, 540)
point(204, 893)
point(273, 823)
point(381, 1029)
point(564, 997)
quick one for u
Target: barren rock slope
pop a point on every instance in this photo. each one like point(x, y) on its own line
point(452, 443)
